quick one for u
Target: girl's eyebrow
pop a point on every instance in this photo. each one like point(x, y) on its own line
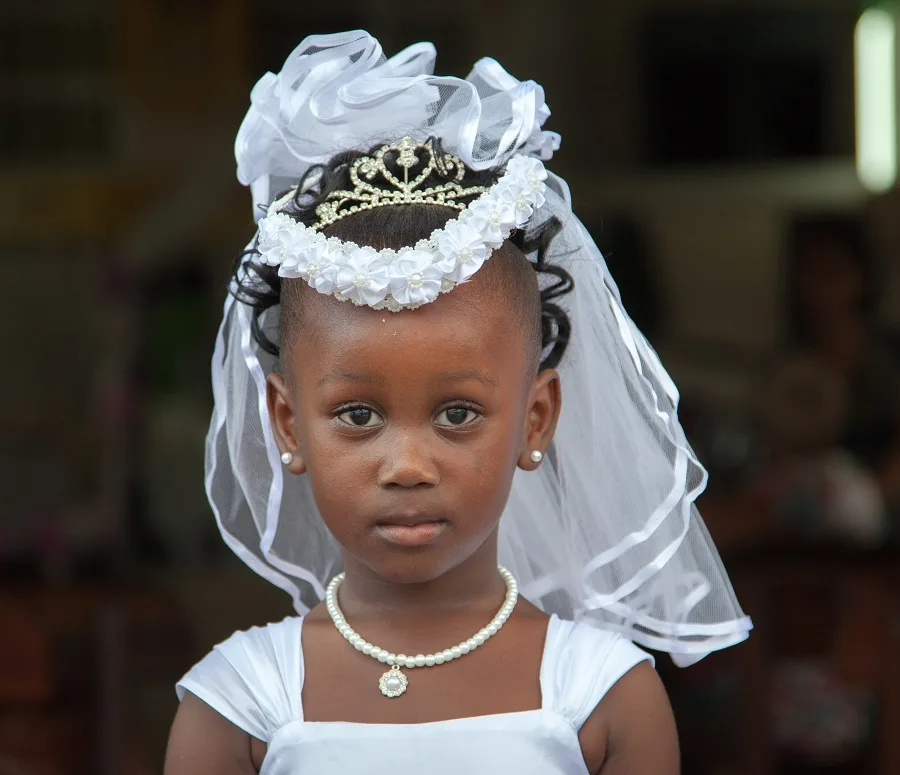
point(466, 375)
point(340, 375)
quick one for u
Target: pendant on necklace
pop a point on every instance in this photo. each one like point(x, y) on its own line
point(393, 682)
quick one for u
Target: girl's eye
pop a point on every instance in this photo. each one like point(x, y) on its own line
point(456, 417)
point(360, 417)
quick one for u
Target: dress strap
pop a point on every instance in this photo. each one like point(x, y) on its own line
point(253, 678)
point(581, 664)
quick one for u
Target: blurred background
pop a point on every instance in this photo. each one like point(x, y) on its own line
point(735, 159)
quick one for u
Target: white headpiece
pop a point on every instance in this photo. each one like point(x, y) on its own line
point(417, 274)
point(606, 529)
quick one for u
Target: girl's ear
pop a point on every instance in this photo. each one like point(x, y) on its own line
point(281, 414)
point(544, 405)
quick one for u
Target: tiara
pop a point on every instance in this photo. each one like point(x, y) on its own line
point(394, 280)
point(405, 156)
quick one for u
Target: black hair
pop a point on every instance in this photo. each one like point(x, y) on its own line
point(259, 285)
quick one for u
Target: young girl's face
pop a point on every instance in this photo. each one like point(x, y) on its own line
point(411, 425)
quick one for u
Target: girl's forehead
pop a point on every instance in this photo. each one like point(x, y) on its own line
point(461, 330)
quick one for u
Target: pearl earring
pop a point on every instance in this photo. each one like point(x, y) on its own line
point(287, 458)
point(537, 456)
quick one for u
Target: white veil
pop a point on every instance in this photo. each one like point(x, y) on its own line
point(606, 530)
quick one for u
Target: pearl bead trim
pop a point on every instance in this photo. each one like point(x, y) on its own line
point(421, 660)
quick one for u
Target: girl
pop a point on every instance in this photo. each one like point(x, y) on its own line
point(388, 380)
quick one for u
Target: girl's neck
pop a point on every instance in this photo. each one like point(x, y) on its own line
point(473, 585)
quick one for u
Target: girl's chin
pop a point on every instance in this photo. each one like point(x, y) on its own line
point(409, 565)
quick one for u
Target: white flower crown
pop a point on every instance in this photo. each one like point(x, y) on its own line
point(394, 280)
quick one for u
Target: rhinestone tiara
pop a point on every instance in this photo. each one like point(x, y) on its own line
point(384, 179)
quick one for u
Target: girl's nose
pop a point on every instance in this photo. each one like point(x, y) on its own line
point(408, 463)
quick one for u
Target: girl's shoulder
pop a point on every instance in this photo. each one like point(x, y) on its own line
point(582, 662)
point(246, 677)
point(617, 702)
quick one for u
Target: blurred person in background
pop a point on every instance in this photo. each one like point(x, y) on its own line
point(827, 476)
point(832, 301)
point(828, 416)
point(816, 488)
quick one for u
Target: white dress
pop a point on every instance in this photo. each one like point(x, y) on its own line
point(255, 680)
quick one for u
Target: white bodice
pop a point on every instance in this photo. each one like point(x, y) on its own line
point(255, 680)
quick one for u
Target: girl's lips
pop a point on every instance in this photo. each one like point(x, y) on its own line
point(419, 534)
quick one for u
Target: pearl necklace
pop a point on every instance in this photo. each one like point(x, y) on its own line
point(393, 683)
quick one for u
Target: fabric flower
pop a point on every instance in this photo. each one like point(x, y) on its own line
point(528, 170)
point(315, 264)
point(414, 278)
point(271, 225)
point(462, 250)
point(493, 217)
point(362, 277)
point(516, 193)
point(531, 173)
point(282, 240)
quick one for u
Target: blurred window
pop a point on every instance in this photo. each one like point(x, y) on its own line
point(55, 81)
point(748, 85)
